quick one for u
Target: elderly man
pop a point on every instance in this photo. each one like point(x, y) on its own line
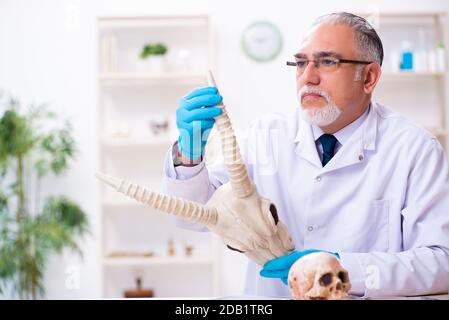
point(348, 175)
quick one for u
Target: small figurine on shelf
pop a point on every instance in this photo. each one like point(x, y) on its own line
point(184, 59)
point(188, 248)
point(171, 248)
point(108, 51)
point(158, 125)
point(120, 131)
point(139, 292)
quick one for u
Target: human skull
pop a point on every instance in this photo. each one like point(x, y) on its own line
point(318, 275)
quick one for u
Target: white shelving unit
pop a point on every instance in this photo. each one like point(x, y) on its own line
point(136, 114)
point(154, 261)
point(420, 94)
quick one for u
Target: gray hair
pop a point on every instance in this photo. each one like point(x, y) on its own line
point(368, 43)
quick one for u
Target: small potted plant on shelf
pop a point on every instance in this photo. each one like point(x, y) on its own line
point(154, 55)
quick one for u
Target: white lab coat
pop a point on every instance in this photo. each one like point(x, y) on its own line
point(382, 202)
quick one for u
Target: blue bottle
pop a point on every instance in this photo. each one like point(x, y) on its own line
point(407, 57)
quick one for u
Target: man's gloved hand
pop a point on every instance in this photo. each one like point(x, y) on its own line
point(279, 267)
point(195, 118)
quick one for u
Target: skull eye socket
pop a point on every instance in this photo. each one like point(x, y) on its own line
point(326, 279)
point(234, 249)
point(274, 213)
point(342, 276)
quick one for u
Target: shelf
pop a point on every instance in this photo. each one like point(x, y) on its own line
point(133, 143)
point(130, 79)
point(123, 23)
point(410, 75)
point(156, 261)
point(127, 142)
point(402, 17)
point(412, 15)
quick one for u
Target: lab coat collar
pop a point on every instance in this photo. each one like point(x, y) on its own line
point(352, 152)
point(344, 134)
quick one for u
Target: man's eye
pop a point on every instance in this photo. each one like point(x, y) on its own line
point(328, 62)
point(301, 63)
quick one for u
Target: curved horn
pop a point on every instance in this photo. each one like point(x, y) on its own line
point(189, 210)
point(238, 175)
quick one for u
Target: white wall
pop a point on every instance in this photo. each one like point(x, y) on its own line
point(48, 53)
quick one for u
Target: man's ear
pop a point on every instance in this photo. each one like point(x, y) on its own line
point(372, 76)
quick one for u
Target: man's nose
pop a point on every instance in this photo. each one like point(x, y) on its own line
point(310, 75)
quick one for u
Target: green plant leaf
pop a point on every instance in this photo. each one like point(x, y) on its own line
point(66, 213)
point(153, 49)
point(56, 148)
point(15, 135)
point(26, 240)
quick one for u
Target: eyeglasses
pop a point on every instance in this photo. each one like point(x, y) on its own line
point(324, 64)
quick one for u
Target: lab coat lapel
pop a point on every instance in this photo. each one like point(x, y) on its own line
point(353, 151)
point(305, 143)
point(349, 154)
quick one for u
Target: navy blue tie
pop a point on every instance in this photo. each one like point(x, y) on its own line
point(328, 142)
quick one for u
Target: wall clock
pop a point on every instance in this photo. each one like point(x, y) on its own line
point(262, 41)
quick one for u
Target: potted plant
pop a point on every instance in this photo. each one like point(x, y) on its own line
point(31, 229)
point(154, 56)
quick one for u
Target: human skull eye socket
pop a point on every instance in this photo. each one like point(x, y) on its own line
point(234, 249)
point(274, 213)
point(326, 279)
point(342, 276)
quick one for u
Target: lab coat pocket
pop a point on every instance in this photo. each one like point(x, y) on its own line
point(367, 229)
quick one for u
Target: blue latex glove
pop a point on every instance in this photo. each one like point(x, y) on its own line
point(279, 267)
point(195, 118)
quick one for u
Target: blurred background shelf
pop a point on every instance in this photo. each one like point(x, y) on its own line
point(127, 79)
point(157, 261)
point(136, 107)
point(420, 92)
point(133, 143)
point(411, 74)
point(152, 22)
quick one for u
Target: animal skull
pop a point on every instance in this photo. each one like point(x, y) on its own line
point(318, 275)
point(245, 221)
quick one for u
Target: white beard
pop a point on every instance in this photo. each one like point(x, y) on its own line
point(319, 116)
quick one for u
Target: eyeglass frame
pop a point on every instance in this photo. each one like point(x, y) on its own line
point(326, 55)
